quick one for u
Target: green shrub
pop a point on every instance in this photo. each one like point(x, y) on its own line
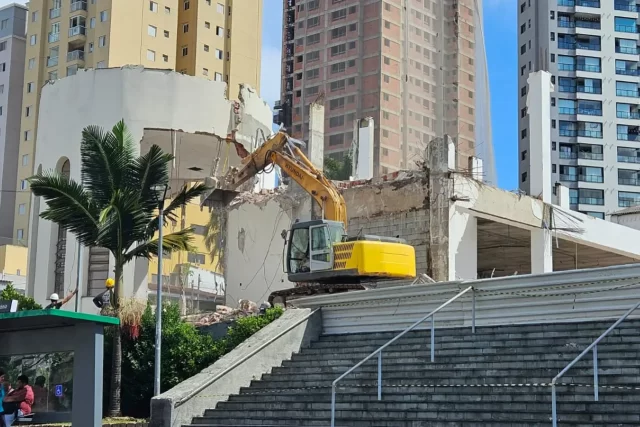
point(24, 302)
point(185, 352)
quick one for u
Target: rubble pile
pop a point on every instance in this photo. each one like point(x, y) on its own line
point(224, 313)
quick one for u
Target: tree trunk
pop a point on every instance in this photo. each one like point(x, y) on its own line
point(116, 360)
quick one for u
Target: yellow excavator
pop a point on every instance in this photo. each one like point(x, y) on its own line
point(320, 257)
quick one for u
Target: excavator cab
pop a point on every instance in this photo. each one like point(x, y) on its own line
point(310, 249)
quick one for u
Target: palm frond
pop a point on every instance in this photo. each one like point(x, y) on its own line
point(122, 222)
point(68, 205)
point(213, 236)
point(148, 170)
point(184, 196)
point(177, 241)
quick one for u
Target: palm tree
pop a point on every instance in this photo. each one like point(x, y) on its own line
point(213, 237)
point(114, 207)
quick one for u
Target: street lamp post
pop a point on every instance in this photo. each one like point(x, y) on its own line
point(161, 193)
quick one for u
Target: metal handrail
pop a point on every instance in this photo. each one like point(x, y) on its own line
point(396, 338)
point(594, 347)
point(246, 357)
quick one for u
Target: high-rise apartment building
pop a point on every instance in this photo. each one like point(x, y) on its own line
point(591, 48)
point(417, 67)
point(215, 39)
point(12, 47)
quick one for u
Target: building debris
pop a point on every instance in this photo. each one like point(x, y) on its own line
point(224, 313)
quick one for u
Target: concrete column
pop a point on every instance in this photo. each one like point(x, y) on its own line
point(363, 157)
point(541, 252)
point(315, 146)
point(562, 196)
point(440, 189)
point(87, 375)
point(463, 245)
point(539, 110)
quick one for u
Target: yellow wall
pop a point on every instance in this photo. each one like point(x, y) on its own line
point(127, 41)
point(193, 215)
point(13, 260)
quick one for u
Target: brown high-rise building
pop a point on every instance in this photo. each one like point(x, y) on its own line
point(381, 59)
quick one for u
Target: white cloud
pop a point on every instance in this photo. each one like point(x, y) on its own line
point(270, 74)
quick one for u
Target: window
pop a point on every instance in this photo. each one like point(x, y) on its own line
point(92, 23)
point(523, 28)
point(523, 49)
point(33, 39)
point(313, 39)
point(387, 24)
point(335, 104)
point(218, 77)
point(523, 155)
point(338, 50)
point(27, 135)
point(22, 208)
point(167, 10)
point(104, 15)
point(153, 6)
point(336, 139)
point(53, 75)
point(4, 24)
point(336, 85)
point(387, 42)
point(20, 234)
point(313, 74)
point(27, 111)
point(34, 16)
point(339, 32)
point(152, 31)
point(102, 41)
point(205, 71)
point(196, 258)
point(206, 48)
point(32, 63)
point(312, 56)
point(335, 122)
point(219, 31)
point(90, 47)
point(29, 87)
point(101, 64)
point(218, 54)
point(185, 28)
point(523, 133)
point(523, 91)
point(166, 33)
point(186, 4)
point(313, 4)
point(185, 50)
point(313, 22)
point(165, 58)
point(220, 8)
point(3, 46)
point(207, 25)
point(151, 55)
point(523, 178)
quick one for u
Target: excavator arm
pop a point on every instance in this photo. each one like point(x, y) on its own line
point(279, 150)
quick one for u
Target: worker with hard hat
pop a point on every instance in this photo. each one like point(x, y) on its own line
point(56, 304)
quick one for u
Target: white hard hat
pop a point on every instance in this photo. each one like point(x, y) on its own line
point(54, 297)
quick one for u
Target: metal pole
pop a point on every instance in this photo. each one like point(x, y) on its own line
point(79, 275)
point(595, 373)
point(554, 415)
point(198, 297)
point(156, 385)
point(380, 376)
point(433, 339)
point(333, 405)
point(473, 312)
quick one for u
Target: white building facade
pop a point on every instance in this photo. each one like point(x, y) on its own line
point(591, 49)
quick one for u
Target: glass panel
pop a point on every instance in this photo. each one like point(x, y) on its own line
point(299, 250)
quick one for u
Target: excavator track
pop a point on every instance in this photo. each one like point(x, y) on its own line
point(286, 296)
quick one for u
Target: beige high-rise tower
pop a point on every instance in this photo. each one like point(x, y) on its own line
point(215, 39)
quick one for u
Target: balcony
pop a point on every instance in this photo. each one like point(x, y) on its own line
point(591, 178)
point(75, 55)
point(569, 89)
point(583, 3)
point(566, 45)
point(627, 50)
point(590, 201)
point(627, 72)
point(589, 68)
point(54, 37)
point(627, 93)
point(566, 67)
point(52, 61)
point(568, 132)
point(567, 111)
point(627, 29)
point(627, 6)
point(588, 46)
point(54, 13)
point(594, 25)
point(572, 178)
point(628, 159)
point(590, 133)
point(78, 5)
point(568, 155)
point(77, 36)
point(590, 156)
point(629, 181)
point(590, 111)
point(589, 89)
point(628, 114)
point(627, 203)
point(628, 137)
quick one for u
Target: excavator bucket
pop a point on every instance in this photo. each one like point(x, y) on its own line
point(217, 197)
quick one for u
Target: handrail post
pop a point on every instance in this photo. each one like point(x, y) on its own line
point(473, 311)
point(554, 413)
point(595, 372)
point(333, 405)
point(380, 376)
point(433, 339)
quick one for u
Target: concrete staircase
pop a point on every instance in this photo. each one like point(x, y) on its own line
point(497, 377)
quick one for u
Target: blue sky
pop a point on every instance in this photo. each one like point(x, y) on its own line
point(501, 41)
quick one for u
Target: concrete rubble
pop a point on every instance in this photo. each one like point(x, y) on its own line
point(224, 313)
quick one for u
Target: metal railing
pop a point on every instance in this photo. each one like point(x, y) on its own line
point(396, 338)
point(593, 347)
